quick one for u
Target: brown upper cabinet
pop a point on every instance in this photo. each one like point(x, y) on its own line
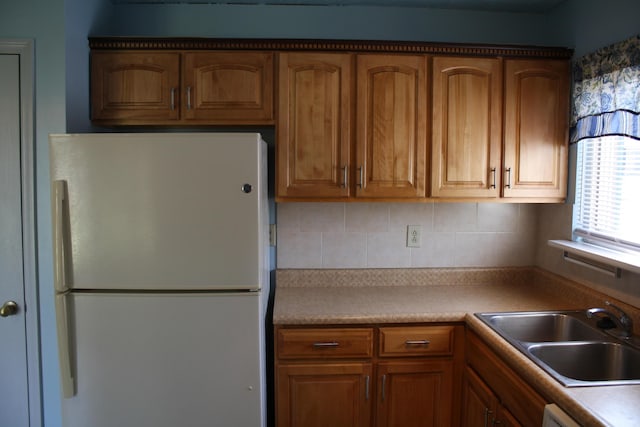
point(172, 88)
point(132, 87)
point(359, 120)
point(320, 156)
point(391, 133)
point(536, 127)
point(467, 127)
point(313, 148)
point(490, 144)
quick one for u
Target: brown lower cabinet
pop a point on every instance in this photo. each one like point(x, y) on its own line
point(414, 393)
point(405, 376)
point(324, 394)
point(481, 407)
point(493, 394)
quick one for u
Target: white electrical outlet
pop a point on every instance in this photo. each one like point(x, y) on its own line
point(414, 236)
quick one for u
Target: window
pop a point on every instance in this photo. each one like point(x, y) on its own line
point(607, 207)
point(605, 127)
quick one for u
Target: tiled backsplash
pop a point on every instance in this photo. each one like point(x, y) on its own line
point(374, 235)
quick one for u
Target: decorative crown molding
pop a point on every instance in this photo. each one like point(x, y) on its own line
point(153, 43)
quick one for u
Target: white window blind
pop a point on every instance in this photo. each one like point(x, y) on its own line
point(608, 192)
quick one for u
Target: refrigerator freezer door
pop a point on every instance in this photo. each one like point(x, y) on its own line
point(164, 360)
point(159, 211)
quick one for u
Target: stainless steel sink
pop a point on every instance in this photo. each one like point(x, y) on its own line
point(544, 327)
point(593, 362)
point(569, 346)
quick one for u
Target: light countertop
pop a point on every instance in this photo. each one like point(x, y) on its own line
point(355, 297)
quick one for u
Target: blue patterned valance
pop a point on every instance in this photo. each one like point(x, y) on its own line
point(606, 92)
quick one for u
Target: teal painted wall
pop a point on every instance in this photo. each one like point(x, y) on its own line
point(60, 29)
point(587, 25)
point(343, 22)
point(83, 17)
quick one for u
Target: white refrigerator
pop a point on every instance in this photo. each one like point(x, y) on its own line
point(161, 278)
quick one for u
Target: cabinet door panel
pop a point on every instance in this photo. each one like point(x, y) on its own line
point(467, 118)
point(228, 87)
point(415, 394)
point(478, 401)
point(135, 87)
point(313, 133)
point(323, 394)
point(523, 402)
point(391, 133)
point(536, 128)
point(506, 418)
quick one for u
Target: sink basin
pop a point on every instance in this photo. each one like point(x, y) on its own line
point(601, 362)
point(543, 327)
point(569, 346)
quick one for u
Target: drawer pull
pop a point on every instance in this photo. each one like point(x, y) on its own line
point(417, 342)
point(326, 344)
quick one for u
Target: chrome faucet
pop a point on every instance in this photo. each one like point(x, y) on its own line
point(623, 321)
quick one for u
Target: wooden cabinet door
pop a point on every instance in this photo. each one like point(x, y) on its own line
point(135, 87)
point(479, 404)
point(536, 128)
point(504, 418)
point(228, 87)
point(467, 127)
point(314, 125)
point(522, 401)
point(391, 135)
point(415, 393)
point(323, 394)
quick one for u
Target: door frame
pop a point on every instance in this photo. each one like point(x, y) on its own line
point(24, 48)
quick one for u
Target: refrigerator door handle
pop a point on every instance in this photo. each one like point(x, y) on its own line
point(64, 349)
point(59, 262)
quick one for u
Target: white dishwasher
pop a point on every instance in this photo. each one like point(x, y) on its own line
point(556, 417)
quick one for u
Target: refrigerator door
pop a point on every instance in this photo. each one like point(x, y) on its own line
point(165, 360)
point(158, 211)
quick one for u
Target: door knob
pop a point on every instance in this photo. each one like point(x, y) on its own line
point(9, 308)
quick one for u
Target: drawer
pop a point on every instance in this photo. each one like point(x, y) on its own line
point(325, 343)
point(416, 341)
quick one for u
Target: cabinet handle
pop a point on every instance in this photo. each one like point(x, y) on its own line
point(493, 176)
point(326, 344)
point(188, 97)
point(487, 412)
point(366, 387)
point(417, 342)
point(361, 174)
point(508, 184)
point(384, 384)
point(344, 177)
point(173, 98)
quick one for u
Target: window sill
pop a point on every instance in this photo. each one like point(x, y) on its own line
point(596, 257)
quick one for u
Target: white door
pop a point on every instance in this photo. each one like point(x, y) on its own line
point(14, 398)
